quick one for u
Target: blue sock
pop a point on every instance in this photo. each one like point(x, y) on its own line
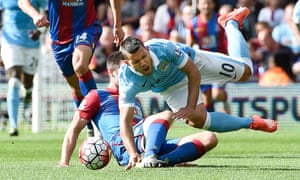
point(156, 136)
point(87, 82)
point(13, 101)
point(222, 122)
point(77, 101)
point(184, 153)
point(237, 47)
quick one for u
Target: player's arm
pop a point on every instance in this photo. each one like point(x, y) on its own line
point(116, 11)
point(126, 117)
point(39, 19)
point(70, 138)
point(194, 78)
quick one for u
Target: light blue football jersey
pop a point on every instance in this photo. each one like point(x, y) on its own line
point(167, 60)
point(17, 25)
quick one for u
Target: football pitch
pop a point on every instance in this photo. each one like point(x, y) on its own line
point(243, 154)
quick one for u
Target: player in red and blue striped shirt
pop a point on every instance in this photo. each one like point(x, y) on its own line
point(75, 31)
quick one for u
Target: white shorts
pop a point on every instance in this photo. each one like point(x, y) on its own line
point(218, 68)
point(214, 68)
point(176, 96)
point(14, 55)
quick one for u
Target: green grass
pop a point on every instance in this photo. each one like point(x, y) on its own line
point(244, 154)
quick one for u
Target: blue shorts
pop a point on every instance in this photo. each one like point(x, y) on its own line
point(205, 87)
point(63, 52)
point(118, 148)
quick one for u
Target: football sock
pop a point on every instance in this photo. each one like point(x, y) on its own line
point(168, 146)
point(238, 46)
point(156, 135)
point(76, 99)
point(185, 153)
point(222, 122)
point(87, 82)
point(13, 101)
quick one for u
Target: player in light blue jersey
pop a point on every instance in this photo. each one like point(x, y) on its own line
point(176, 70)
point(20, 53)
point(101, 107)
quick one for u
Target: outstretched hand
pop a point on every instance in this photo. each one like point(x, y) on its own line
point(132, 161)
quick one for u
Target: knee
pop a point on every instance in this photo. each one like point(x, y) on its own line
point(247, 74)
point(14, 82)
point(212, 140)
point(80, 68)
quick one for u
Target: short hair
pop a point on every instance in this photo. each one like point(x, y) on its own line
point(113, 60)
point(130, 45)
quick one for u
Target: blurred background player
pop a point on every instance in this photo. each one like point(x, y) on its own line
point(20, 53)
point(75, 31)
point(101, 107)
point(207, 34)
point(279, 72)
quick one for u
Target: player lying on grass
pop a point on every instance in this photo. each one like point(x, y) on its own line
point(101, 107)
point(175, 71)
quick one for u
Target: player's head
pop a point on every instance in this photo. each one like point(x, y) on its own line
point(113, 64)
point(136, 55)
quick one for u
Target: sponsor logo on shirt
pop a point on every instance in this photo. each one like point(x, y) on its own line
point(73, 3)
point(162, 66)
point(178, 52)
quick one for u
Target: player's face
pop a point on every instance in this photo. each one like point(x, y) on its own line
point(140, 61)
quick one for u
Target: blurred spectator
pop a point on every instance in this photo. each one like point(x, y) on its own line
point(232, 3)
point(131, 12)
point(167, 17)
point(128, 30)
point(205, 30)
point(272, 13)
point(102, 7)
point(153, 4)
point(279, 72)
point(296, 19)
point(207, 34)
point(267, 47)
point(225, 8)
point(287, 33)
point(182, 30)
point(102, 51)
point(146, 31)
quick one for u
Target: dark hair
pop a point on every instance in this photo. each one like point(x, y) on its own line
point(113, 60)
point(130, 45)
point(284, 60)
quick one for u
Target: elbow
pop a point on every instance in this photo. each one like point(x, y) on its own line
point(20, 4)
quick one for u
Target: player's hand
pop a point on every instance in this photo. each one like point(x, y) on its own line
point(133, 160)
point(61, 165)
point(41, 21)
point(184, 113)
point(118, 35)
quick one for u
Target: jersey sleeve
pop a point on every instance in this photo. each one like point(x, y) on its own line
point(90, 105)
point(127, 90)
point(176, 55)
